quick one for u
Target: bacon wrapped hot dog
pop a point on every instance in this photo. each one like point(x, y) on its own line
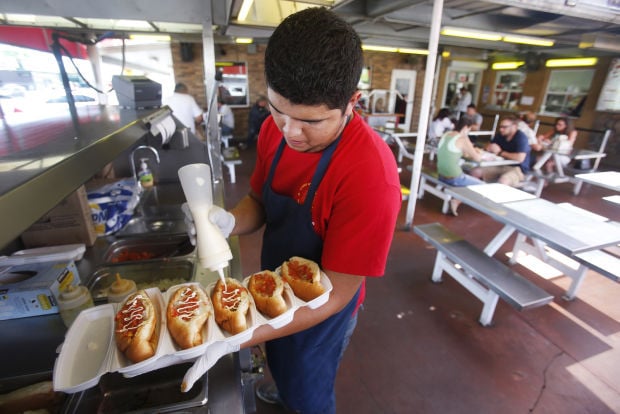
point(135, 327)
point(304, 277)
point(231, 304)
point(187, 313)
point(267, 290)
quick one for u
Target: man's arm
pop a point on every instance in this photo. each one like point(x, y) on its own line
point(515, 156)
point(249, 214)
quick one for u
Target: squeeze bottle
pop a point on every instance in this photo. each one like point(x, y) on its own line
point(145, 176)
point(213, 249)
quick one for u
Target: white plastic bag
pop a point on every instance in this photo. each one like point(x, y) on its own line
point(112, 205)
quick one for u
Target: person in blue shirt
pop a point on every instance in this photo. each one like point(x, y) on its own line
point(512, 144)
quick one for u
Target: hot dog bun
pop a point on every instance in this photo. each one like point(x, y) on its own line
point(231, 305)
point(135, 329)
point(267, 288)
point(187, 312)
point(304, 277)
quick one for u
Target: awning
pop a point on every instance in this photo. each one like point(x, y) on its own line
point(39, 39)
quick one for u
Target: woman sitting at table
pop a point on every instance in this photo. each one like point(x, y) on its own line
point(453, 146)
point(561, 138)
point(441, 123)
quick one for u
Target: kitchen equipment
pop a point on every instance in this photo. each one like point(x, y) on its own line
point(120, 289)
point(72, 301)
point(161, 273)
point(213, 249)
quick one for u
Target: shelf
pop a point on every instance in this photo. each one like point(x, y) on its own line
point(43, 161)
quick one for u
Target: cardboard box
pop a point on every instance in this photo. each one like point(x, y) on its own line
point(34, 295)
point(68, 223)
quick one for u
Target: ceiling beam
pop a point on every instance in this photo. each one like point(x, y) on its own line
point(584, 9)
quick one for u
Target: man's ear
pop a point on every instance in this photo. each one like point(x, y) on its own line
point(352, 102)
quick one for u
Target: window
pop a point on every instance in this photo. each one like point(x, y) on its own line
point(232, 80)
point(458, 78)
point(508, 89)
point(567, 91)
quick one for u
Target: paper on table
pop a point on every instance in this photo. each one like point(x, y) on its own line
point(500, 193)
point(608, 178)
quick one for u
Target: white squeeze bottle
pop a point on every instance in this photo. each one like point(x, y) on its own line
point(213, 249)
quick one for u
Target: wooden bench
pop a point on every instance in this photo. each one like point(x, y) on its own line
point(429, 181)
point(485, 277)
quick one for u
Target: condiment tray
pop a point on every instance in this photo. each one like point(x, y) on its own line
point(89, 350)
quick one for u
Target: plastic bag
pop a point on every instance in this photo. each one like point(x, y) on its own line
point(112, 205)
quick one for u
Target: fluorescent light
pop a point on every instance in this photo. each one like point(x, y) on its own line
point(506, 65)
point(150, 37)
point(560, 63)
point(413, 51)
point(244, 10)
point(470, 34)
point(379, 48)
point(528, 40)
point(244, 40)
point(134, 24)
point(21, 18)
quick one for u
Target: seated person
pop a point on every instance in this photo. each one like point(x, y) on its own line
point(440, 124)
point(258, 113)
point(562, 137)
point(526, 122)
point(511, 144)
point(476, 119)
point(452, 147)
point(227, 118)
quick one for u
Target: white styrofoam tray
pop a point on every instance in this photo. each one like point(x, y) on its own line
point(89, 350)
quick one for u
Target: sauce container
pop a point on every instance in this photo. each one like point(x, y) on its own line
point(72, 301)
point(120, 289)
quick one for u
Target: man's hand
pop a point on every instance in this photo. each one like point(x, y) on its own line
point(217, 215)
point(494, 148)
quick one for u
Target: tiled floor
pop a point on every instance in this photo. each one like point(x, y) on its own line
point(418, 347)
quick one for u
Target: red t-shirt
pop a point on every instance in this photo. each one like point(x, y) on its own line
point(356, 204)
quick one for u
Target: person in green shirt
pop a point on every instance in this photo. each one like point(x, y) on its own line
point(453, 146)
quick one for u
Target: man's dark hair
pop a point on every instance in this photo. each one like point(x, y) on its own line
point(314, 57)
point(471, 106)
point(463, 122)
point(180, 87)
point(512, 119)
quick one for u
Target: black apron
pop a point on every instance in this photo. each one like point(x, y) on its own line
point(303, 364)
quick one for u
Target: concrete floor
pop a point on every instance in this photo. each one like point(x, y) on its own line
point(418, 347)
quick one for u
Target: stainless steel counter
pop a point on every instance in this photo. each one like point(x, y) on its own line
point(71, 154)
point(44, 160)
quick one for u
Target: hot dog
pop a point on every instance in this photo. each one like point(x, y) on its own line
point(187, 313)
point(267, 288)
point(231, 305)
point(135, 329)
point(304, 277)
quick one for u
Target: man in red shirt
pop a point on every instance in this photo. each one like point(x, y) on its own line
point(326, 188)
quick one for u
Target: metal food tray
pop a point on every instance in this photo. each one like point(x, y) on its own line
point(161, 273)
point(156, 391)
point(150, 247)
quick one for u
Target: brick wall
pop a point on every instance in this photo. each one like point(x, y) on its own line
point(192, 73)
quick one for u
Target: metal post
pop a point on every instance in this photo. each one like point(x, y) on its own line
point(424, 110)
